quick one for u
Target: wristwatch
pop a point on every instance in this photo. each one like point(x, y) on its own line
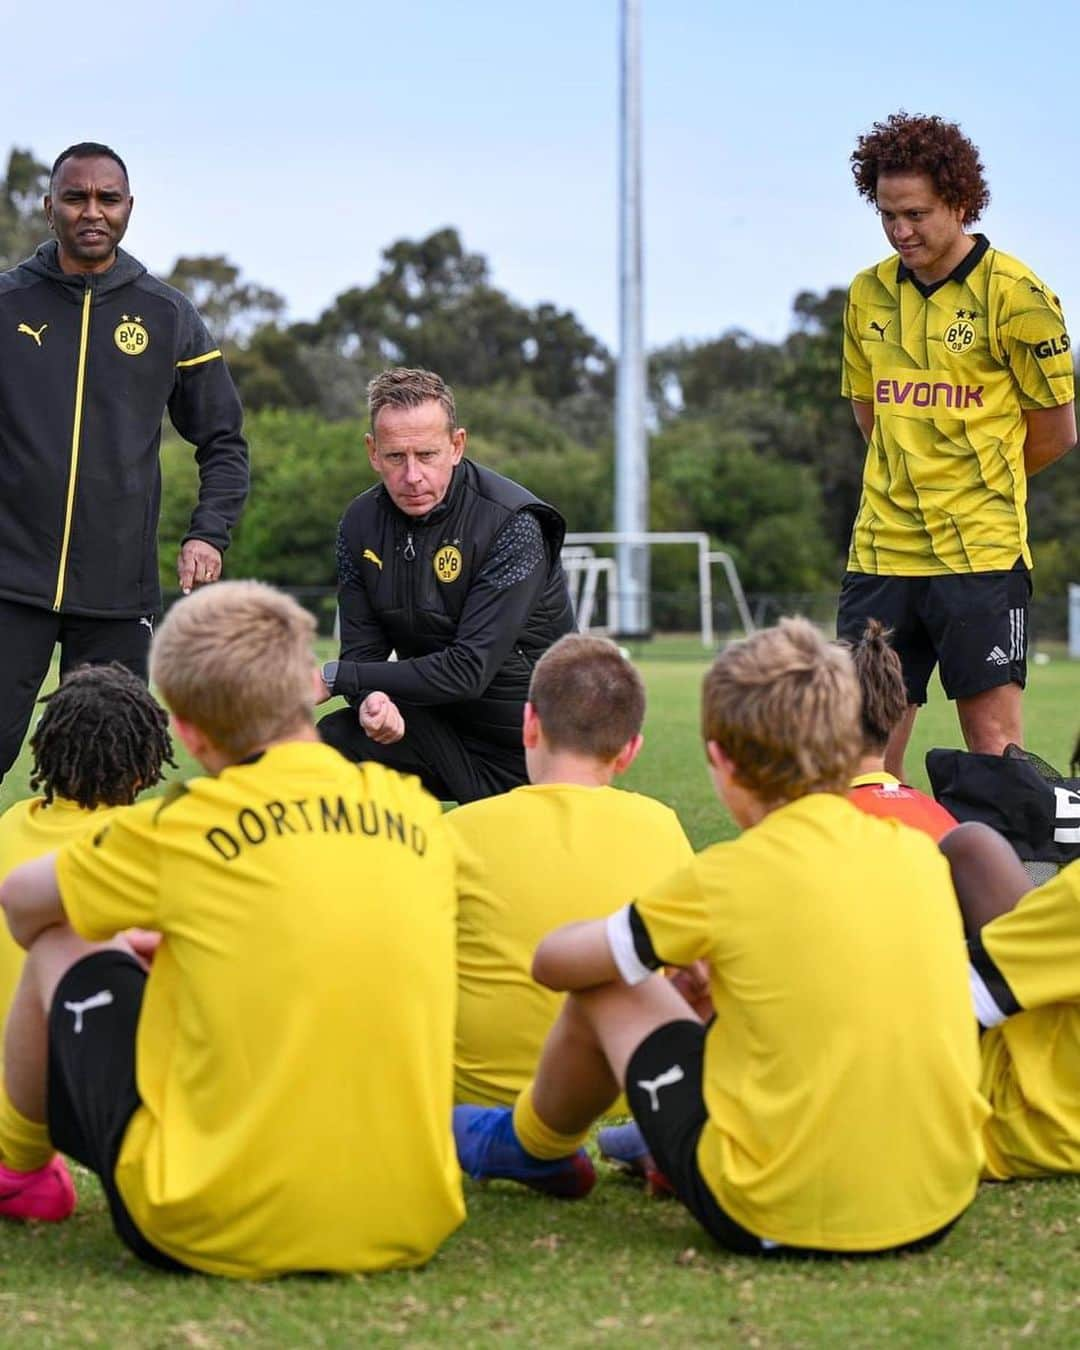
point(329, 674)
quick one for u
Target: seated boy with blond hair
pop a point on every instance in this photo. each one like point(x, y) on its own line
point(567, 846)
point(101, 740)
point(1024, 945)
point(818, 1113)
point(265, 1100)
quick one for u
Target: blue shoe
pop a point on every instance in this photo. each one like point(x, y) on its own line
point(488, 1149)
point(624, 1147)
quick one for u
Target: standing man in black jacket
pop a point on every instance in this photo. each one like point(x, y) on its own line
point(93, 350)
point(456, 570)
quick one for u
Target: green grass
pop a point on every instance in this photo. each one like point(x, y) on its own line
point(618, 1269)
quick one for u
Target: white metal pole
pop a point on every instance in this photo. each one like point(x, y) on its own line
point(631, 452)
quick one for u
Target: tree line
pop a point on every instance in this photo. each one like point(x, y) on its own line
point(750, 440)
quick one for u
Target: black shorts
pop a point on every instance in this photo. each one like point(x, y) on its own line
point(973, 625)
point(92, 1093)
point(664, 1090)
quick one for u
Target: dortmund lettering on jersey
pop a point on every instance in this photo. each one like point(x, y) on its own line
point(950, 370)
point(294, 1048)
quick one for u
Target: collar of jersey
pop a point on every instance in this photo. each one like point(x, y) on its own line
point(65, 806)
point(960, 272)
point(874, 780)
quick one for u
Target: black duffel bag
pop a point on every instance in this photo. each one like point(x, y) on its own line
point(1037, 812)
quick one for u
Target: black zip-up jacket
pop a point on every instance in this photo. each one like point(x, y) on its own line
point(88, 365)
point(469, 596)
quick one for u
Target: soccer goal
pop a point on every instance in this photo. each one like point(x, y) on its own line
point(585, 571)
point(591, 581)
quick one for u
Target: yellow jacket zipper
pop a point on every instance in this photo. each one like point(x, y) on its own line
point(76, 437)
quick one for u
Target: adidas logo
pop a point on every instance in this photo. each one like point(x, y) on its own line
point(998, 657)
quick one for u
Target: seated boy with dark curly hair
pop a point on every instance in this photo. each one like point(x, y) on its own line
point(817, 1114)
point(101, 739)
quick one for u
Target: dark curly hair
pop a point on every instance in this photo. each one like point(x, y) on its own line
point(101, 739)
point(909, 144)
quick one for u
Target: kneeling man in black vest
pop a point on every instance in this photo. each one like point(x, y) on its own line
point(455, 570)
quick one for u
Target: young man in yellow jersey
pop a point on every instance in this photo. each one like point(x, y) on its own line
point(263, 1101)
point(1024, 946)
point(811, 1116)
point(958, 366)
point(100, 741)
point(567, 846)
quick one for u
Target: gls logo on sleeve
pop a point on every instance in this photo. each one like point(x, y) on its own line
point(1067, 807)
point(1057, 346)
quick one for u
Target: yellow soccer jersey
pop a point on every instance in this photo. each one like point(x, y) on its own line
point(528, 861)
point(29, 830)
point(1025, 974)
point(950, 370)
point(294, 1051)
point(841, 1073)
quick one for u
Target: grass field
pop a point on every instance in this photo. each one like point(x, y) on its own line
point(617, 1269)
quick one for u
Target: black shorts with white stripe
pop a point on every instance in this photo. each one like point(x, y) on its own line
point(973, 625)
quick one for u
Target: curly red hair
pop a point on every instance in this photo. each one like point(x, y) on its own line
point(910, 144)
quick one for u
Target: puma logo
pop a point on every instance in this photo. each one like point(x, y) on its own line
point(25, 328)
point(373, 557)
point(101, 1000)
point(879, 329)
point(147, 622)
point(667, 1079)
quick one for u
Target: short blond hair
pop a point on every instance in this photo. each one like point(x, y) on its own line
point(784, 706)
point(235, 659)
point(589, 698)
point(404, 387)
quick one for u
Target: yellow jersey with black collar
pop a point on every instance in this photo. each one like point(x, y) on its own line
point(950, 369)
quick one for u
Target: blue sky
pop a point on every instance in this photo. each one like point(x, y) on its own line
point(302, 139)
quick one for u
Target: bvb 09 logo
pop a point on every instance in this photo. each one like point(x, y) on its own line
point(131, 337)
point(447, 563)
point(959, 336)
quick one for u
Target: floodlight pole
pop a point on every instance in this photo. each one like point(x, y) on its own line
point(631, 451)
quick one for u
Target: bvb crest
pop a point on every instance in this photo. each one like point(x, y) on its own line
point(130, 336)
point(447, 563)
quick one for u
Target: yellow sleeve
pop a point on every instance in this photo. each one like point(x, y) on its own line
point(1036, 946)
point(109, 879)
point(677, 918)
point(857, 382)
point(673, 844)
point(1036, 345)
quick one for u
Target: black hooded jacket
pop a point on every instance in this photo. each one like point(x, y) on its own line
point(88, 365)
point(469, 596)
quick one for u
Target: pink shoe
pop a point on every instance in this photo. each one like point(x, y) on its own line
point(47, 1194)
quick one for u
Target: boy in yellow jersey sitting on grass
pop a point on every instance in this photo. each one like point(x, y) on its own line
point(1024, 946)
point(100, 741)
point(567, 846)
point(813, 1116)
point(264, 1100)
